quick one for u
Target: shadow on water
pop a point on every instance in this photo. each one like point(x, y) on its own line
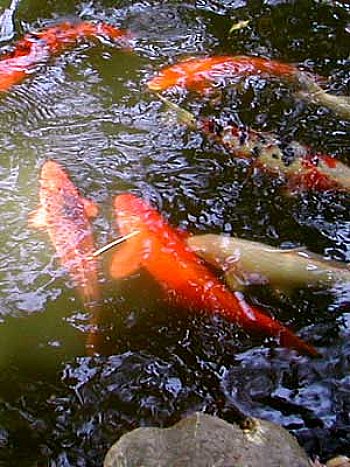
point(88, 109)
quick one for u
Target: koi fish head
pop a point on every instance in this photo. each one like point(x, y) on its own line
point(61, 204)
point(156, 245)
point(130, 203)
point(213, 248)
point(53, 177)
point(167, 78)
point(190, 73)
point(57, 188)
point(133, 214)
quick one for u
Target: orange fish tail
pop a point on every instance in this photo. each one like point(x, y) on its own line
point(91, 297)
point(286, 337)
point(252, 319)
point(94, 340)
point(85, 274)
point(290, 340)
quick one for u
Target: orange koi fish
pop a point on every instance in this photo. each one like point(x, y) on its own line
point(299, 165)
point(36, 48)
point(201, 73)
point(66, 216)
point(182, 275)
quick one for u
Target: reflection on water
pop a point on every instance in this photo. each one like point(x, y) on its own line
point(88, 109)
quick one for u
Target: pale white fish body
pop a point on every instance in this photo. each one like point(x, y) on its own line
point(7, 28)
point(247, 263)
point(312, 92)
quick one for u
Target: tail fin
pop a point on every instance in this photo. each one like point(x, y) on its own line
point(258, 322)
point(93, 342)
point(290, 340)
point(312, 92)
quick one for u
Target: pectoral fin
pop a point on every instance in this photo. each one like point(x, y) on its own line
point(234, 283)
point(90, 208)
point(126, 260)
point(238, 280)
point(37, 219)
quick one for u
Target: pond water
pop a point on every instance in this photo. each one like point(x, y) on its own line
point(89, 109)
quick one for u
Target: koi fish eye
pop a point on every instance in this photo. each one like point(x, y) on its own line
point(218, 129)
point(242, 135)
point(288, 155)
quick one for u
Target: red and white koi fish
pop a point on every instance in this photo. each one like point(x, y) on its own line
point(182, 275)
point(301, 167)
point(66, 215)
point(36, 48)
point(204, 73)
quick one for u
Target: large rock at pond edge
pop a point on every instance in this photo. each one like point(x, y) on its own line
point(205, 441)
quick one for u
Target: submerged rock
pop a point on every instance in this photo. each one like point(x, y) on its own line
point(203, 440)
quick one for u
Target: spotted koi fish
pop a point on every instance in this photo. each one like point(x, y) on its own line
point(181, 273)
point(36, 48)
point(298, 164)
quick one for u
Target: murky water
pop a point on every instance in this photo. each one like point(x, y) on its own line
point(88, 109)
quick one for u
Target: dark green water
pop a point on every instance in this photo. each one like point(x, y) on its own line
point(88, 109)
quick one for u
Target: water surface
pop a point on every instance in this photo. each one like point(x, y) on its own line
point(89, 110)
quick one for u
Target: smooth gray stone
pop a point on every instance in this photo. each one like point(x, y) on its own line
point(205, 441)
